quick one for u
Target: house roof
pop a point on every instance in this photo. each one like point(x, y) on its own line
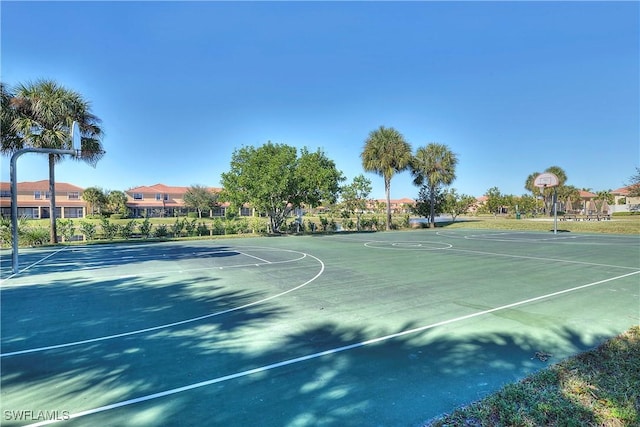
point(164, 189)
point(622, 191)
point(587, 194)
point(40, 186)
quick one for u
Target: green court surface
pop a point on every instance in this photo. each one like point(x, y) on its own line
point(369, 329)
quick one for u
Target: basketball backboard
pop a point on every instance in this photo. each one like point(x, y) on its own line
point(76, 138)
point(546, 179)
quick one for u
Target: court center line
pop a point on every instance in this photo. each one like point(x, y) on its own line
point(169, 325)
point(322, 353)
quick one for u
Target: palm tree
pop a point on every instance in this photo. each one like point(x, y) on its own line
point(385, 153)
point(547, 193)
point(434, 166)
point(41, 114)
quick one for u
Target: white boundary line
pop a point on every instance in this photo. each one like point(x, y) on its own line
point(321, 353)
point(561, 239)
point(450, 247)
point(181, 322)
point(180, 270)
point(32, 265)
point(408, 245)
point(567, 261)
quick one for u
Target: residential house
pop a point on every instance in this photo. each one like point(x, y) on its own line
point(398, 206)
point(34, 200)
point(623, 202)
point(161, 200)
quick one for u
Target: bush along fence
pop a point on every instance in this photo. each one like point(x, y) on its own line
point(32, 233)
point(84, 230)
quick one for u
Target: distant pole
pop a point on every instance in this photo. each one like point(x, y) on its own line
point(555, 210)
point(14, 196)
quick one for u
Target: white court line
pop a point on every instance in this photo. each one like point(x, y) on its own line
point(33, 265)
point(169, 325)
point(253, 256)
point(321, 353)
point(568, 261)
point(180, 270)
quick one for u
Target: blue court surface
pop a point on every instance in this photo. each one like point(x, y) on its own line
point(362, 329)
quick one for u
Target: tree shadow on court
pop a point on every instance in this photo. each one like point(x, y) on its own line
point(120, 255)
point(400, 381)
point(253, 366)
point(404, 380)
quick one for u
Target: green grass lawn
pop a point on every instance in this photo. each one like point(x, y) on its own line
point(617, 225)
point(600, 387)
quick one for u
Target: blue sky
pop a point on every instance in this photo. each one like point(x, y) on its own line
point(511, 87)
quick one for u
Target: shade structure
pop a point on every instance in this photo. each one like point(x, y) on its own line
point(568, 206)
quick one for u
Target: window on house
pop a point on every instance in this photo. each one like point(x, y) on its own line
point(5, 193)
point(73, 195)
point(158, 196)
point(37, 195)
point(47, 195)
point(137, 196)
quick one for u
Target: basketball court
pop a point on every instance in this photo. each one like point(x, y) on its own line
point(377, 329)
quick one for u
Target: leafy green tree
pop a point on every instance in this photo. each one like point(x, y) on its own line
point(430, 202)
point(117, 202)
point(96, 199)
point(39, 115)
point(527, 203)
point(457, 204)
point(200, 198)
point(274, 180)
point(434, 166)
point(569, 193)
point(602, 197)
point(386, 153)
point(494, 200)
point(634, 184)
point(355, 197)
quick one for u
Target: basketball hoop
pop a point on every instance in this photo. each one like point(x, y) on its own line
point(547, 180)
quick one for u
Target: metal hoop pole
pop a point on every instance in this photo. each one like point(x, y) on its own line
point(14, 197)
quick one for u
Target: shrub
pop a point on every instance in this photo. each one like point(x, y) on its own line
point(116, 216)
point(217, 226)
point(161, 231)
point(88, 229)
point(202, 229)
point(145, 228)
point(109, 230)
point(177, 227)
point(33, 236)
point(258, 225)
point(66, 228)
point(190, 227)
point(127, 230)
point(6, 236)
